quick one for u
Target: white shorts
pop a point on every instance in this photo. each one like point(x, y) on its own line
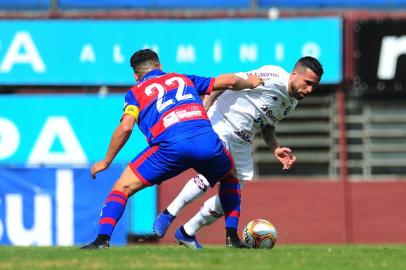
point(240, 150)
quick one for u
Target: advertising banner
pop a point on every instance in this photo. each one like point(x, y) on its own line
point(381, 55)
point(89, 52)
point(46, 207)
point(62, 129)
point(61, 207)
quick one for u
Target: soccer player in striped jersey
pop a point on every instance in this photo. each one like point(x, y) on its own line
point(237, 117)
point(168, 110)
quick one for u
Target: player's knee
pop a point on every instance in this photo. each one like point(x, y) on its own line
point(201, 182)
point(128, 184)
point(213, 207)
point(211, 212)
point(122, 189)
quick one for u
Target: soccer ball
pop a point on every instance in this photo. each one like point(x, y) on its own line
point(260, 233)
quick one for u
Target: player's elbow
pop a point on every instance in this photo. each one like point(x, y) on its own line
point(233, 82)
point(126, 128)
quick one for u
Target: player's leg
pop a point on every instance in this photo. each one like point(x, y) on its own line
point(212, 209)
point(218, 167)
point(208, 213)
point(150, 167)
point(114, 206)
point(193, 189)
point(204, 150)
point(244, 169)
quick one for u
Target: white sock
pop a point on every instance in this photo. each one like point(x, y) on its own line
point(210, 212)
point(193, 189)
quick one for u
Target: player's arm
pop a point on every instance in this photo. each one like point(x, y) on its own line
point(118, 139)
point(208, 100)
point(283, 154)
point(234, 82)
point(231, 82)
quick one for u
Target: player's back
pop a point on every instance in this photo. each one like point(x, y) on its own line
point(169, 105)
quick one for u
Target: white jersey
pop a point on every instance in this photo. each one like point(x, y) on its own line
point(243, 113)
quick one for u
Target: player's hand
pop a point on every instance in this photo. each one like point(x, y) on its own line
point(285, 156)
point(255, 81)
point(98, 167)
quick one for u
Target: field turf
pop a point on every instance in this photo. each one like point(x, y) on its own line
point(286, 257)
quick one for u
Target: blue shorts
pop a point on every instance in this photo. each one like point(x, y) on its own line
point(205, 153)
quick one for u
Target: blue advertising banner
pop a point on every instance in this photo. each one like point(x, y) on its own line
point(62, 129)
point(48, 206)
point(61, 206)
point(88, 52)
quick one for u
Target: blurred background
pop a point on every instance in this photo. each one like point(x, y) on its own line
point(64, 69)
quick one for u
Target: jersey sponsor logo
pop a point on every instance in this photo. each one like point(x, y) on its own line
point(244, 134)
point(264, 74)
point(267, 110)
point(183, 113)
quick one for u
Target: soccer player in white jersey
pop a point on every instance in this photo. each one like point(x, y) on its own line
point(237, 117)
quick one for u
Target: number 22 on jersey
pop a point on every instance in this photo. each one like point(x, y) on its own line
point(162, 102)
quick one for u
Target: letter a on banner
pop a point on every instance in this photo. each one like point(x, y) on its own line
point(23, 51)
point(57, 127)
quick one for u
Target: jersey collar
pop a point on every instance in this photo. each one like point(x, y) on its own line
point(152, 73)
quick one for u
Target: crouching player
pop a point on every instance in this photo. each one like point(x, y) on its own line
point(169, 112)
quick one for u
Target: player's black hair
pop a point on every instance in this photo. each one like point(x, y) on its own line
point(144, 56)
point(311, 63)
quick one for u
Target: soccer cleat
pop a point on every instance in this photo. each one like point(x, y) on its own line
point(186, 240)
point(162, 223)
point(97, 245)
point(235, 244)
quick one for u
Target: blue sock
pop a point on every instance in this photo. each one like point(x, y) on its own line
point(112, 211)
point(230, 197)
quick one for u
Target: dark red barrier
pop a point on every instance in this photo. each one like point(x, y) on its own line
point(306, 211)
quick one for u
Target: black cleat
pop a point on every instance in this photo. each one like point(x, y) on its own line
point(235, 244)
point(97, 245)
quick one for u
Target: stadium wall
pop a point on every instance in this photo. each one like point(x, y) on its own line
point(309, 211)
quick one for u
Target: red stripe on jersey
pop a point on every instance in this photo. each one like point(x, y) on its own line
point(211, 86)
point(186, 112)
point(107, 220)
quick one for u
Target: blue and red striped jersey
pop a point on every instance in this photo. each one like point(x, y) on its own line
point(169, 105)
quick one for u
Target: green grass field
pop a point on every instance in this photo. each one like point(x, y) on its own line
point(286, 257)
